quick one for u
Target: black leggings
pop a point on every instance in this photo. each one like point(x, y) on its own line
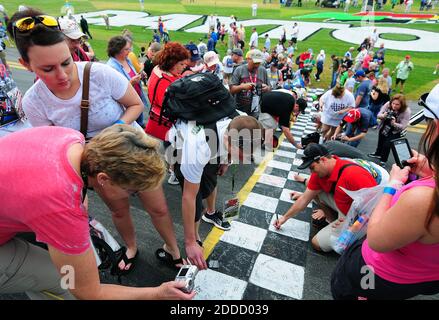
point(347, 277)
point(384, 144)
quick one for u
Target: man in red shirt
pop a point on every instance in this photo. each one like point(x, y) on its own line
point(328, 174)
point(304, 56)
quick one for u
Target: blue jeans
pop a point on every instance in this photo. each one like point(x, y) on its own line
point(374, 108)
point(334, 79)
point(140, 120)
point(351, 132)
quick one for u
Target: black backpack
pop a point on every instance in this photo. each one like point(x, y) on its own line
point(200, 97)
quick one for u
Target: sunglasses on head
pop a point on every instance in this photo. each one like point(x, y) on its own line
point(27, 24)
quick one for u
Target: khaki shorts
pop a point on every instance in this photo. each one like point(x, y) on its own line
point(267, 121)
point(324, 235)
point(3, 57)
point(27, 268)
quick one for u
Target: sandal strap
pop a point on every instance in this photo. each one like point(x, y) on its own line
point(177, 261)
point(163, 254)
point(125, 258)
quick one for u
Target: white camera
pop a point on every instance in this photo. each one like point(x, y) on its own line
point(187, 274)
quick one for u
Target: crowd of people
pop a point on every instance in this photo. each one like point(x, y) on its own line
point(121, 153)
point(378, 5)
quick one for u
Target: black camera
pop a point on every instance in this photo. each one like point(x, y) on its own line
point(390, 114)
point(258, 89)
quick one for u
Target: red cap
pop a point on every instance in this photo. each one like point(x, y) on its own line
point(352, 116)
point(407, 57)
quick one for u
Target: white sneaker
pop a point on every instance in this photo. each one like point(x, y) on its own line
point(434, 72)
point(172, 179)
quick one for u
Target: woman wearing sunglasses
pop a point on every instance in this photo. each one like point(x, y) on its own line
point(55, 100)
point(399, 258)
point(119, 158)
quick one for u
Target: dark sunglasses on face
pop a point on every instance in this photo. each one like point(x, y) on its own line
point(27, 24)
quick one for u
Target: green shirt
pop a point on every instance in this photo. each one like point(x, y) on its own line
point(403, 70)
point(343, 78)
point(308, 64)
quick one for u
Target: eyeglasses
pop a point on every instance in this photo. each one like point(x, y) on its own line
point(27, 24)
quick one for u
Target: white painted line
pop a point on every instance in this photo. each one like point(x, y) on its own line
point(285, 154)
point(297, 162)
point(245, 236)
point(272, 180)
point(278, 276)
point(213, 285)
point(279, 165)
point(286, 144)
point(293, 228)
point(426, 41)
point(261, 202)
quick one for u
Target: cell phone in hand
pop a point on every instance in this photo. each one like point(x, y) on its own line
point(142, 75)
point(401, 152)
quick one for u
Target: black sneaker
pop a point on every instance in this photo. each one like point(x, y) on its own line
point(373, 155)
point(217, 220)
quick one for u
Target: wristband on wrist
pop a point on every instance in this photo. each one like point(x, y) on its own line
point(120, 121)
point(389, 190)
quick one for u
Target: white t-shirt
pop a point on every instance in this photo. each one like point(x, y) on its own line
point(295, 32)
point(374, 37)
point(228, 64)
point(212, 22)
point(195, 152)
point(279, 48)
point(266, 55)
point(254, 40)
point(107, 85)
point(350, 83)
point(332, 105)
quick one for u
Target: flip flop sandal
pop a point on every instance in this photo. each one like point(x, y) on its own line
point(123, 257)
point(167, 258)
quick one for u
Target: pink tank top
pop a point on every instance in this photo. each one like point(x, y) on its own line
point(414, 263)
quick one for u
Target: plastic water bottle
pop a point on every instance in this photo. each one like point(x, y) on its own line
point(343, 241)
point(348, 236)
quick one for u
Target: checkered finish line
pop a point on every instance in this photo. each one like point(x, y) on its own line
point(256, 261)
